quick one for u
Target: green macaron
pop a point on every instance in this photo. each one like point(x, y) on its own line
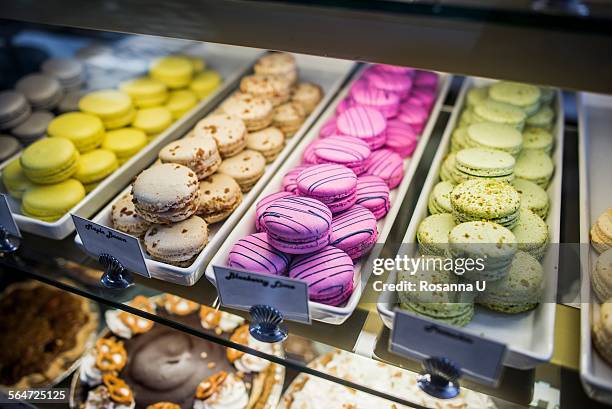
point(542, 118)
point(533, 197)
point(447, 167)
point(459, 139)
point(439, 198)
point(523, 96)
point(483, 163)
point(467, 117)
point(455, 314)
point(531, 233)
point(500, 113)
point(495, 136)
point(547, 94)
point(476, 96)
point(538, 139)
point(432, 234)
point(535, 166)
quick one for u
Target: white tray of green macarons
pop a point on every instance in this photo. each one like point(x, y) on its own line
point(595, 146)
point(318, 311)
point(329, 74)
point(529, 336)
point(230, 61)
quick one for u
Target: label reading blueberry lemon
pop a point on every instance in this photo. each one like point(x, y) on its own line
point(98, 240)
point(7, 222)
point(242, 289)
point(478, 358)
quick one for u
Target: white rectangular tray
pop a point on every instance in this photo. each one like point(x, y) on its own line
point(529, 336)
point(318, 311)
point(330, 74)
point(594, 150)
point(230, 61)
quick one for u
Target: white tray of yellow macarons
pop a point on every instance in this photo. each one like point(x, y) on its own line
point(329, 74)
point(318, 311)
point(595, 147)
point(230, 61)
point(529, 336)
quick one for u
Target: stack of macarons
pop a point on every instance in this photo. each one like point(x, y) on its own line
point(602, 331)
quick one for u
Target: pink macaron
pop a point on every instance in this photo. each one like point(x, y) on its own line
point(373, 194)
point(289, 182)
point(426, 79)
point(308, 156)
point(413, 115)
point(297, 225)
point(343, 150)
point(365, 123)
point(254, 253)
point(347, 102)
point(394, 69)
point(386, 102)
point(328, 272)
point(328, 128)
point(334, 185)
point(263, 204)
point(387, 165)
point(399, 84)
point(426, 95)
point(354, 231)
point(401, 138)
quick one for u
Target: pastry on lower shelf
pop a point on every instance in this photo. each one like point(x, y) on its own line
point(57, 325)
point(601, 232)
point(310, 392)
point(602, 331)
point(164, 368)
point(601, 276)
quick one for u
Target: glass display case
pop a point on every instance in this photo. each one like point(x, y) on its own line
point(266, 204)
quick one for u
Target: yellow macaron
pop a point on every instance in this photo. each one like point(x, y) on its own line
point(15, 181)
point(198, 63)
point(51, 202)
point(84, 130)
point(49, 160)
point(94, 167)
point(205, 83)
point(145, 92)
point(124, 142)
point(113, 107)
point(152, 120)
point(174, 71)
point(180, 102)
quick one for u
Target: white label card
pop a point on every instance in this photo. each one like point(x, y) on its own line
point(242, 289)
point(98, 239)
point(6, 217)
point(417, 338)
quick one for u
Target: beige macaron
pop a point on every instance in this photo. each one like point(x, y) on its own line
point(278, 63)
point(126, 219)
point(198, 154)
point(602, 331)
point(273, 87)
point(179, 243)
point(289, 118)
point(601, 232)
point(246, 168)
point(601, 276)
point(220, 195)
point(228, 131)
point(269, 142)
point(307, 95)
point(256, 112)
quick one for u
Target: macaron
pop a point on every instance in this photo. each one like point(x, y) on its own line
point(308, 95)
point(246, 168)
point(467, 118)
point(228, 131)
point(533, 197)
point(14, 109)
point(15, 181)
point(297, 225)
point(447, 168)
point(343, 150)
point(523, 96)
point(480, 199)
point(494, 136)
point(33, 128)
point(538, 139)
point(601, 232)
point(413, 115)
point(500, 113)
point(180, 102)
point(476, 96)
point(519, 291)
point(86, 131)
point(145, 92)
point(95, 166)
point(152, 121)
point(425, 79)
point(254, 253)
point(274, 88)
point(387, 165)
point(278, 63)
point(535, 166)
point(256, 112)
point(289, 181)
point(334, 185)
point(308, 156)
point(263, 204)
point(173, 70)
point(328, 273)
point(124, 143)
point(198, 154)
point(125, 218)
point(205, 83)
point(9, 146)
point(68, 71)
point(42, 91)
point(328, 128)
point(384, 101)
point(354, 231)
point(220, 195)
point(426, 95)
point(401, 138)
point(531, 233)
point(70, 102)
point(179, 243)
point(543, 118)
point(50, 160)
point(347, 102)
point(601, 276)
point(485, 163)
point(399, 84)
point(50, 202)
point(167, 193)
point(269, 142)
point(432, 234)
point(373, 193)
point(289, 117)
point(113, 107)
point(547, 94)
point(365, 123)
point(459, 139)
point(602, 331)
point(395, 69)
point(439, 198)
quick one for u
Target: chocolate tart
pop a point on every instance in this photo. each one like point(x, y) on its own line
point(166, 365)
point(43, 333)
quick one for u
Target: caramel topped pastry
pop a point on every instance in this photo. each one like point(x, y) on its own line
point(178, 305)
point(240, 336)
point(164, 405)
point(135, 323)
point(111, 355)
point(118, 390)
point(209, 317)
point(209, 386)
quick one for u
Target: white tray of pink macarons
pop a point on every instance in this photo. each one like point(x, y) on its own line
point(185, 204)
point(517, 168)
point(331, 205)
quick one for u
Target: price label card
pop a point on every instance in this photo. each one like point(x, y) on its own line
point(98, 239)
point(6, 217)
point(242, 289)
point(479, 358)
